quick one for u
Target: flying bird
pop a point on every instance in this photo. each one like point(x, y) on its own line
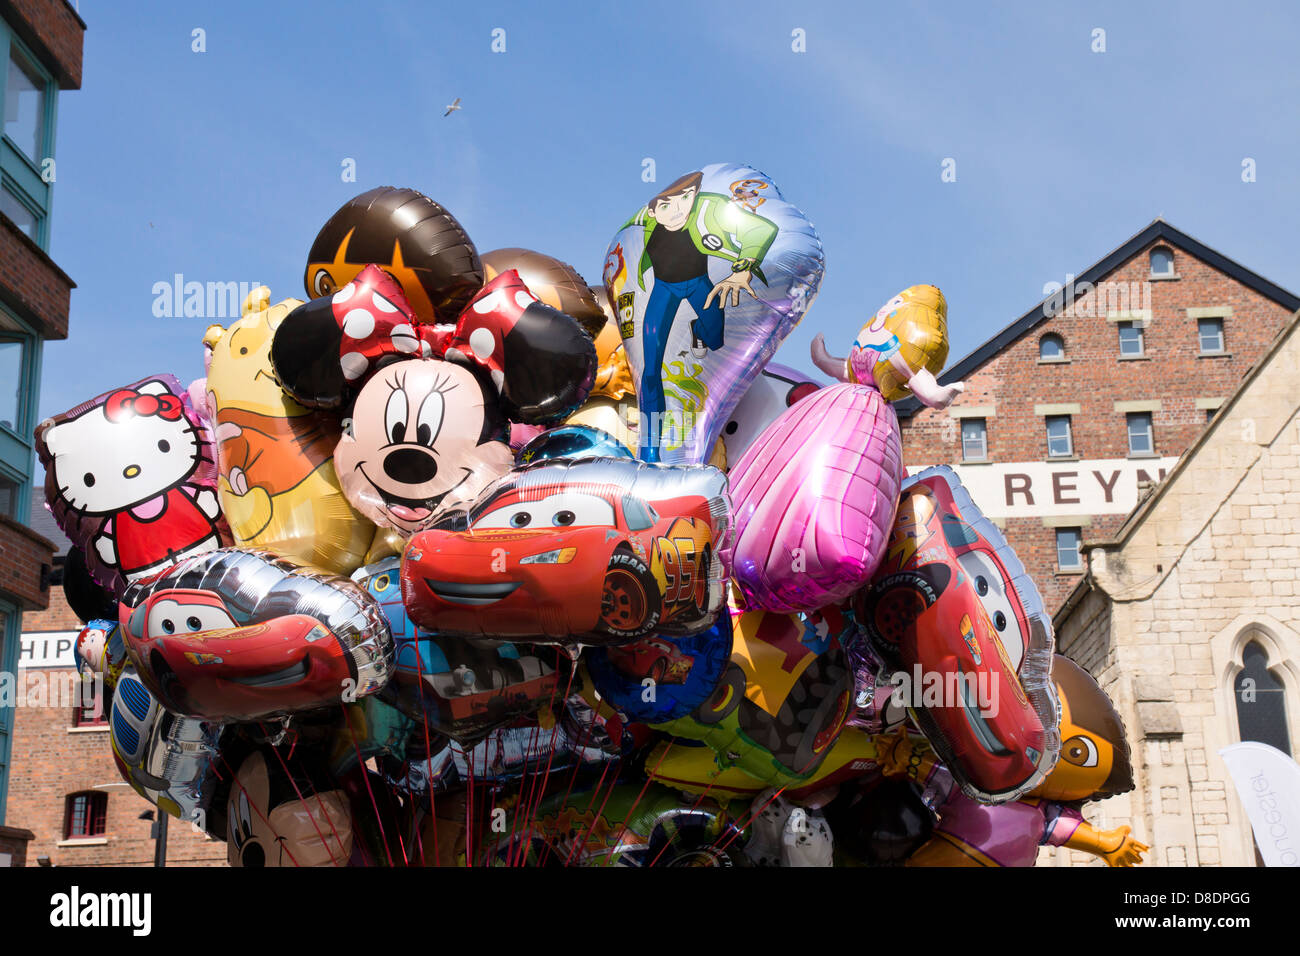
point(453, 107)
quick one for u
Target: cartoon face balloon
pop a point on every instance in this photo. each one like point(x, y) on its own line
point(422, 436)
point(426, 409)
point(130, 477)
point(706, 279)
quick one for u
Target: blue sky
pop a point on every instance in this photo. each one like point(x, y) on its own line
point(222, 165)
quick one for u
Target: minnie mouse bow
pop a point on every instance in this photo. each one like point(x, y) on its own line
point(540, 360)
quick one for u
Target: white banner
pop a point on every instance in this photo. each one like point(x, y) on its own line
point(48, 649)
point(1268, 783)
point(1042, 489)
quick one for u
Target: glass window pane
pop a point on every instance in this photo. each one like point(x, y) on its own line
point(8, 506)
point(11, 382)
point(21, 216)
point(1051, 347)
point(25, 106)
point(1058, 436)
point(974, 439)
point(1130, 339)
point(1162, 262)
point(1139, 434)
point(1261, 701)
point(1067, 548)
point(1211, 334)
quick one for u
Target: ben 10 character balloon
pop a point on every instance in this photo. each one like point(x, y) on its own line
point(129, 476)
point(900, 350)
point(426, 409)
point(412, 238)
point(278, 486)
point(743, 272)
point(1094, 764)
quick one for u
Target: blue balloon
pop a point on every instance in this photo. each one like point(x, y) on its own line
point(572, 441)
point(684, 671)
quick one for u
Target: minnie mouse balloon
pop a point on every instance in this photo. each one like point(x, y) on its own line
point(130, 478)
point(707, 278)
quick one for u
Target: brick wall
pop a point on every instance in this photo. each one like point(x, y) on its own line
point(25, 562)
point(31, 284)
point(54, 31)
point(1209, 564)
point(1095, 377)
point(51, 759)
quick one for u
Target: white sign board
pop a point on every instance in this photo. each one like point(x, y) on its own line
point(1268, 783)
point(1043, 489)
point(48, 649)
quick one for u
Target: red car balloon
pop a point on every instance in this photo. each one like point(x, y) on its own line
point(600, 549)
point(237, 635)
point(962, 626)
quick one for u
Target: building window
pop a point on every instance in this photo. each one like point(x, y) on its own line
point(1162, 262)
point(974, 439)
point(1068, 544)
point(1060, 443)
point(90, 714)
point(1210, 332)
point(1140, 440)
point(86, 815)
point(25, 89)
point(13, 355)
point(18, 370)
point(1130, 339)
point(1051, 348)
point(30, 96)
point(1261, 701)
point(1210, 413)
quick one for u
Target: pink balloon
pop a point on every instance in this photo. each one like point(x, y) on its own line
point(815, 497)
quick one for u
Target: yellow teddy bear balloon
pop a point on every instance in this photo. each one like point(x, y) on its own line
point(277, 485)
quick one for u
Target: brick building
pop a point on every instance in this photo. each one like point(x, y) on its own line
point(1094, 394)
point(63, 784)
point(40, 41)
point(1189, 616)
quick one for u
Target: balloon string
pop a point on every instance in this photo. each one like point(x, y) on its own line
point(530, 820)
point(584, 737)
point(428, 756)
point(310, 814)
point(521, 799)
point(627, 818)
point(235, 780)
point(754, 815)
point(469, 805)
point(587, 835)
point(694, 807)
point(365, 777)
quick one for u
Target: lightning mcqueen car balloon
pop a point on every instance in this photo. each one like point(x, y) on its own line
point(242, 635)
point(599, 550)
point(962, 627)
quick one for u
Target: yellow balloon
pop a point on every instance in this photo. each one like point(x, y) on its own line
point(277, 485)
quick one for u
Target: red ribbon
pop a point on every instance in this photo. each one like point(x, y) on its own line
point(126, 403)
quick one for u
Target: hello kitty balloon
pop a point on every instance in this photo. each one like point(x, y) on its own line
point(130, 478)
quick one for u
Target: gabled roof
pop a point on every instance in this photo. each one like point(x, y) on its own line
point(1157, 230)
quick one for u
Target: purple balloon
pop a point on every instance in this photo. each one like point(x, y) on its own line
point(815, 498)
